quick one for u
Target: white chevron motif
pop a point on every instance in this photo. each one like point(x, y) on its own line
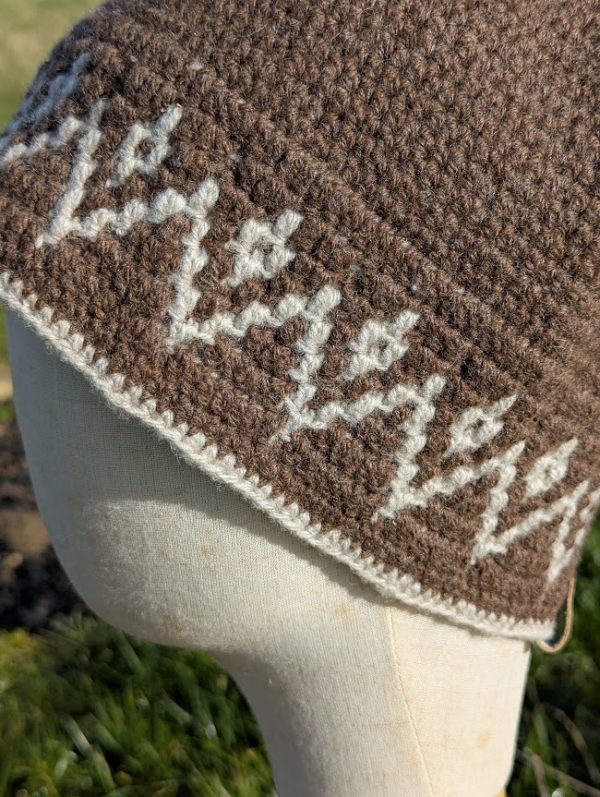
point(261, 250)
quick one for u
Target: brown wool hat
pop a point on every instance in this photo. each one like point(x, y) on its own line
point(343, 255)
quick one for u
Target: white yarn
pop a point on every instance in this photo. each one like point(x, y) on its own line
point(193, 260)
point(561, 555)
point(260, 250)
point(376, 347)
point(166, 204)
point(62, 221)
point(68, 129)
point(36, 107)
point(564, 507)
point(423, 412)
point(311, 349)
point(236, 325)
point(156, 134)
point(477, 426)
point(550, 469)
point(193, 449)
point(379, 344)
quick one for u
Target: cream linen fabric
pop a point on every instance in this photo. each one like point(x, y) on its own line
point(355, 697)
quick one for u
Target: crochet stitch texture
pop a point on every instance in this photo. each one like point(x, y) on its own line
point(344, 257)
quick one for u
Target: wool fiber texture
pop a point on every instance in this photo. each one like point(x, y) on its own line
point(343, 255)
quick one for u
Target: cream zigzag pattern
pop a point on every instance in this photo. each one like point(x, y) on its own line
point(261, 250)
point(194, 449)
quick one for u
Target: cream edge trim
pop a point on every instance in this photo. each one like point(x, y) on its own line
point(72, 348)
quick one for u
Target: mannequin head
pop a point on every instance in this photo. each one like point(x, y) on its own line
point(160, 550)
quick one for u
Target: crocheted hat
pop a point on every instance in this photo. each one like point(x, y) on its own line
point(343, 255)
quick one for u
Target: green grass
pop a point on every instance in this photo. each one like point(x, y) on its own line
point(560, 729)
point(88, 711)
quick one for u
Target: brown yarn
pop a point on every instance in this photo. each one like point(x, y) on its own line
point(437, 162)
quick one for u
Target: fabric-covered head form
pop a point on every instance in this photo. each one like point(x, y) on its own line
point(343, 255)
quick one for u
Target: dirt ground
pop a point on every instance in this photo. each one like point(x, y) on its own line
point(34, 589)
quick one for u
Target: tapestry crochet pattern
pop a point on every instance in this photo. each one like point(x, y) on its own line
point(364, 296)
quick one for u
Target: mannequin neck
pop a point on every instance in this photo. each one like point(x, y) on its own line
point(355, 696)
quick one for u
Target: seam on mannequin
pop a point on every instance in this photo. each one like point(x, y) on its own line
point(194, 449)
point(405, 701)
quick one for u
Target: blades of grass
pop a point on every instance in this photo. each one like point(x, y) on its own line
point(579, 742)
point(124, 791)
point(61, 766)
point(168, 790)
point(106, 739)
point(102, 770)
point(179, 714)
point(129, 654)
point(98, 762)
point(5, 771)
point(78, 737)
point(540, 776)
point(208, 784)
point(577, 785)
point(540, 726)
point(134, 732)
